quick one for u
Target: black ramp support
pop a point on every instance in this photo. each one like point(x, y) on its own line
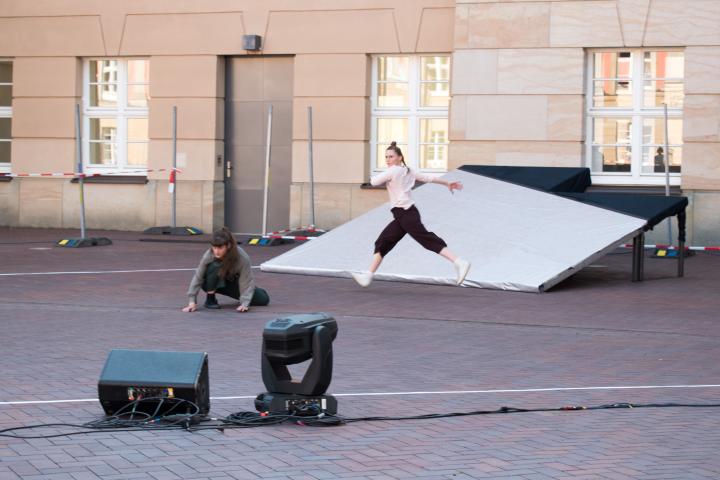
point(638, 267)
point(641, 255)
point(635, 256)
point(681, 220)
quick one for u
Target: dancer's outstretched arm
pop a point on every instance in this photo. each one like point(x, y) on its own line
point(451, 185)
point(423, 177)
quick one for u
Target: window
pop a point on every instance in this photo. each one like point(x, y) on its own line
point(116, 95)
point(627, 92)
point(6, 74)
point(410, 98)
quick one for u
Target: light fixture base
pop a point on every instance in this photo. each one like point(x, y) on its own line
point(299, 405)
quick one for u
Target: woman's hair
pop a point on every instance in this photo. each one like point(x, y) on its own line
point(393, 146)
point(230, 263)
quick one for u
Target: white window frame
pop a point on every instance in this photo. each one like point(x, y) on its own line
point(121, 114)
point(637, 112)
point(413, 113)
point(6, 112)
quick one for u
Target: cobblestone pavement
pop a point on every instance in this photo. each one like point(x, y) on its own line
point(396, 340)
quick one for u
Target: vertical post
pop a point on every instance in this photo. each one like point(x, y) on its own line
point(667, 173)
point(174, 165)
point(267, 171)
point(310, 168)
point(81, 178)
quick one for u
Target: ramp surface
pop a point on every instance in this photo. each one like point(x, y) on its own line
point(516, 238)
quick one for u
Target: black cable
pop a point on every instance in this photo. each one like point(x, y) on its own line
point(193, 421)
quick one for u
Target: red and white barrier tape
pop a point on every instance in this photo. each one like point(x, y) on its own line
point(672, 247)
point(171, 182)
point(86, 175)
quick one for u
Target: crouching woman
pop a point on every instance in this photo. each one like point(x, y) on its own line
point(225, 269)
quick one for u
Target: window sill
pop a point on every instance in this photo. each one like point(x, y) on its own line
point(625, 180)
point(116, 179)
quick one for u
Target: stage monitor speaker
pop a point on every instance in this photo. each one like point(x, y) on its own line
point(130, 375)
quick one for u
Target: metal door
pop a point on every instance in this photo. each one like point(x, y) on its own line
point(252, 84)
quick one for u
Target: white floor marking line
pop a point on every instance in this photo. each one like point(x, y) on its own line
point(439, 392)
point(44, 402)
point(93, 272)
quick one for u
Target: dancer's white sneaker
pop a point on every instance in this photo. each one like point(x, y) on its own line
point(363, 279)
point(462, 267)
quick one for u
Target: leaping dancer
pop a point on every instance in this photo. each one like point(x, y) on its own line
point(400, 181)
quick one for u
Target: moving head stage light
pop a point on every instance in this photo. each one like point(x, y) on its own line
point(291, 340)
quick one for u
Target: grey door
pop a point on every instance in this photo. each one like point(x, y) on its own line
point(252, 84)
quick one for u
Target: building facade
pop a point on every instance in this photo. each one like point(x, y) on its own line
point(542, 83)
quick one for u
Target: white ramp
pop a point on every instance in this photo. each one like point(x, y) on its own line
point(516, 238)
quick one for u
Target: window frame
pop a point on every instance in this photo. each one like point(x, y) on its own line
point(637, 113)
point(414, 112)
point(121, 113)
point(7, 112)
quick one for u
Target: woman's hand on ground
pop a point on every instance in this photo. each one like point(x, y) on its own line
point(242, 308)
point(190, 308)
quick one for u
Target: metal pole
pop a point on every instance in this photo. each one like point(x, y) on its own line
point(310, 168)
point(174, 165)
point(78, 157)
point(667, 173)
point(267, 170)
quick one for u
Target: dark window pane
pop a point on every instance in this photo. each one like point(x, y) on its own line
point(5, 95)
point(5, 152)
point(5, 127)
point(5, 72)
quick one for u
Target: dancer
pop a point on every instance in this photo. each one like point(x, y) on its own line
point(225, 268)
point(400, 180)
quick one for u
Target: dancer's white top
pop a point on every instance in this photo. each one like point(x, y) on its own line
point(400, 181)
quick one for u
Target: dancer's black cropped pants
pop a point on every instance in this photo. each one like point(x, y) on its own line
point(407, 222)
point(214, 282)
